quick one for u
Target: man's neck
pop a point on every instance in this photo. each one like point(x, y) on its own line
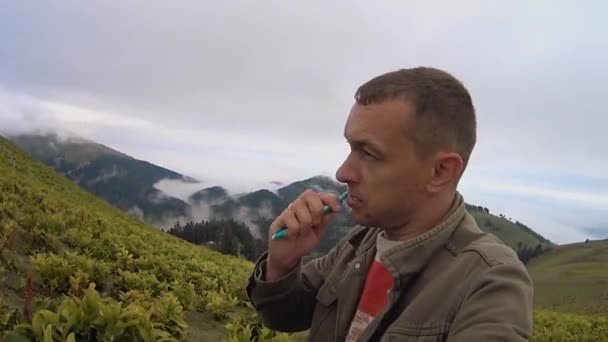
point(424, 219)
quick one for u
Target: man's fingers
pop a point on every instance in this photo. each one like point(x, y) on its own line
point(303, 214)
point(315, 205)
point(307, 212)
point(331, 200)
point(292, 224)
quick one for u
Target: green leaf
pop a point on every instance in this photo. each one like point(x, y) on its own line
point(48, 334)
point(14, 336)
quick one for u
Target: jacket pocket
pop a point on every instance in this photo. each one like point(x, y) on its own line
point(324, 318)
point(417, 332)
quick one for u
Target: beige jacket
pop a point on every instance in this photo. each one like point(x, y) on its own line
point(453, 283)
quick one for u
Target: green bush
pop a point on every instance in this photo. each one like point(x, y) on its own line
point(248, 327)
point(93, 317)
point(554, 326)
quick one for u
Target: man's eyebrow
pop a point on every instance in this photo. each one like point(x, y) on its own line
point(365, 143)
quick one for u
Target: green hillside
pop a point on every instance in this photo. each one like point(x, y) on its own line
point(515, 234)
point(123, 181)
point(73, 266)
point(50, 148)
point(506, 231)
point(572, 278)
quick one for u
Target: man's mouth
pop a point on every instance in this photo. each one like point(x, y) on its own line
point(353, 201)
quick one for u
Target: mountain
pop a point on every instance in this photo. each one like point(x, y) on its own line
point(572, 278)
point(126, 182)
point(319, 183)
point(76, 268)
point(210, 194)
point(259, 208)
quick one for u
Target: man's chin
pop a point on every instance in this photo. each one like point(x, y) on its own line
point(361, 219)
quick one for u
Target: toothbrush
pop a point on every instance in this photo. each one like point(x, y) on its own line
point(326, 210)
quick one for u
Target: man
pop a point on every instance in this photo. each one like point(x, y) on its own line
point(416, 267)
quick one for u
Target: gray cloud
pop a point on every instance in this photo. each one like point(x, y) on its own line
point(180, 85)
point(292, 69)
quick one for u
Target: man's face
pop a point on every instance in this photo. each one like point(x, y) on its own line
point(386, 179)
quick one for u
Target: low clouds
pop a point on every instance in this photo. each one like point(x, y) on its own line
point(21, 113)
point(241, 93)
point(239, 162)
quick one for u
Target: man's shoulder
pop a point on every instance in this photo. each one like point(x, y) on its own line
point(469, 241)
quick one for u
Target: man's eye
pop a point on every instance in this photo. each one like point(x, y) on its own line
point(367, 155)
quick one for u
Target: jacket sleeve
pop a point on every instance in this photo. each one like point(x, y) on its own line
point(498, 307)
point(287, 305)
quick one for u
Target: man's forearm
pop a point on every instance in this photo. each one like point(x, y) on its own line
point(272, 274)
point(281, 298)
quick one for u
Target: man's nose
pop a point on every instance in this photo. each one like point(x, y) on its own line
point(346, 172)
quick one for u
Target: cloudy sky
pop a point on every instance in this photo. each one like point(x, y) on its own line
point(242, 92)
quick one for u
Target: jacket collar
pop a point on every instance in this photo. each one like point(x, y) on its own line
point(410, 256)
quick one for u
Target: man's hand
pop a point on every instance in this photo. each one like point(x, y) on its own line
point(306, 226)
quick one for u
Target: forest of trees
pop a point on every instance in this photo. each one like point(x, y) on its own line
point(526, 253)
point(227, 236)
point(477, 208)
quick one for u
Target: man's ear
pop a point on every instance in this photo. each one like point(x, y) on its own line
point(446, 171)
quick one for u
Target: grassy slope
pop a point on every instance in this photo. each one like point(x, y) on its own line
point(48, 147)
point(572, 278)
point(114, 176)
point(44, 214)
point(505, 230)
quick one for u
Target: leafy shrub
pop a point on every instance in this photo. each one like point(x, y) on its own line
point(554, 326)
point(6, 315)
point(186, 295)
point(138, 280)
point(249, 327)
point(55, 270)
point(219, 303)
point(95, 318)
point(136, 297)
point(168, 311)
